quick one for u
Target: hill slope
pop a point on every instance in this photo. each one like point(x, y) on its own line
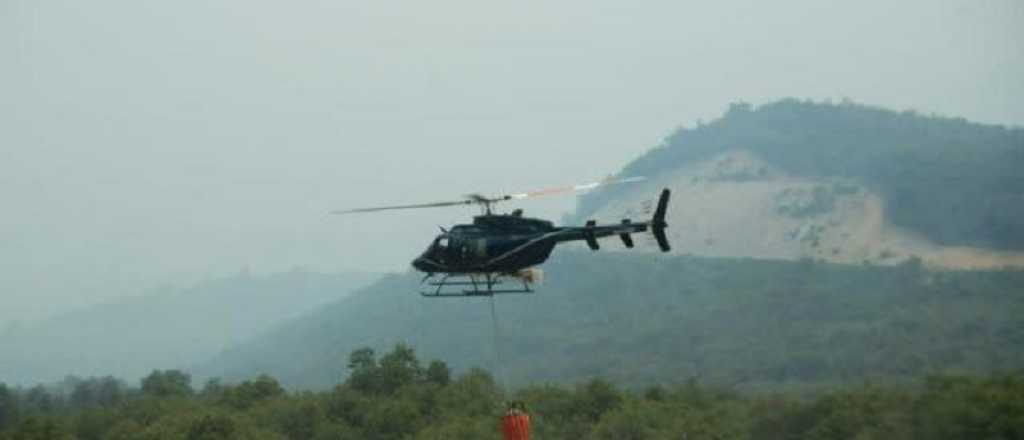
point(641, 319)
point(165, 329)
point(737, 204)
point(954, 182)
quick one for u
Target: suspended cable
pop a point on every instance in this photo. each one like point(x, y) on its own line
point(498, 370)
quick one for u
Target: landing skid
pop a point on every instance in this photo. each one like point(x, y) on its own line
point(480, 284)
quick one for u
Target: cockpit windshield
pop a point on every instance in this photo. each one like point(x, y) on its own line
point(441, 242)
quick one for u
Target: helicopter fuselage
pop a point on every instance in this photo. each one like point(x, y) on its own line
point(491, 244)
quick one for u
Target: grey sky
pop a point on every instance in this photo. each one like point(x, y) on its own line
point(145, 142)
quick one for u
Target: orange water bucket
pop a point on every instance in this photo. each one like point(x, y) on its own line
point(516, 426)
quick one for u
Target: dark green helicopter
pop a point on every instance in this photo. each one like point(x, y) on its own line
point(474, 259)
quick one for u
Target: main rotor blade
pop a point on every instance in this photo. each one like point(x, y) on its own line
point(479, 199)
point(573, 188)
point(389, 208)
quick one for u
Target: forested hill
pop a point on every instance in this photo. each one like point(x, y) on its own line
point(958, 183)
point(167, 328)
point(639, 319)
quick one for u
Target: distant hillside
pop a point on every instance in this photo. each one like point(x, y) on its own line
point(170, 328)
point(643, 318)
point(955, 182)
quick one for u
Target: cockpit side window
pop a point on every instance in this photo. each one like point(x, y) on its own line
point(442, 242)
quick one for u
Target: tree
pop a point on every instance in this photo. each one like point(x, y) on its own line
point(212, 427)
point(213, 389)
point(347, 404)
point(963, 407)
point(93, 423)
point(631, 422)
point(247, 393)
point(300, 417)
point(8, 407)
point(399, 368)
point(39, 400)
point(105, 391)
point(392, 419)
point(596, 398)
point(396, 369)
point(474, 393)
point(40, 428)
point(363, 365)
point(438, 373)
point(167, 383)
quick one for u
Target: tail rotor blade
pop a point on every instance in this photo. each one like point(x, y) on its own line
point(574, 188)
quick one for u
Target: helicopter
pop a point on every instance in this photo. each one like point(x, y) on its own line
point(476, 259)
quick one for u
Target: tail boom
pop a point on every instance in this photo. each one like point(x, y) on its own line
point(592, 231)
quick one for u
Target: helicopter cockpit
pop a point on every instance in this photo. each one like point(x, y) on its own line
point(458, 248)
point(440, 248)
point(434, 259)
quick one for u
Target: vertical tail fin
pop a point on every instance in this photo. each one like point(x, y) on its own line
point(589, 235)
point(658, 224)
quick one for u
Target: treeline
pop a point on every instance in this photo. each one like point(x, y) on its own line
point(957, 182)
point(394, 396)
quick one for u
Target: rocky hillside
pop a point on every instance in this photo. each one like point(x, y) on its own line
point(737, 204)
point(842, 183)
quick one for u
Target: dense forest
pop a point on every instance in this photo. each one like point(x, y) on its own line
point(957, 182)
point(643, 319)
point(395, 396)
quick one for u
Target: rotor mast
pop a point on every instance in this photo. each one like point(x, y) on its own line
point(486, 203)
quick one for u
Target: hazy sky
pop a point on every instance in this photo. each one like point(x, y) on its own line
point(145, 142)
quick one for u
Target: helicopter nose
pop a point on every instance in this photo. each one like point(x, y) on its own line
point(418, 264)
point(424, 265)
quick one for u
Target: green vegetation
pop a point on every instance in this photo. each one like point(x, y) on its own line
point(957, 182)
point(640, 320)
point(394, 397)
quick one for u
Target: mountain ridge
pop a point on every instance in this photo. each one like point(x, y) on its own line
point(951, 180)
point(165, 328)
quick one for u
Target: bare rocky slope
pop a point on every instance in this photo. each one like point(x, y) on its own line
point(843, 183)
point(736, 204)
